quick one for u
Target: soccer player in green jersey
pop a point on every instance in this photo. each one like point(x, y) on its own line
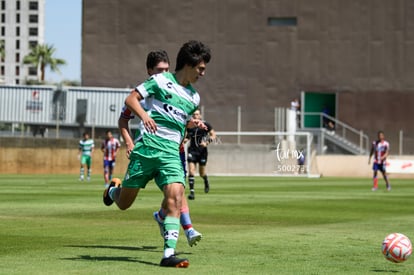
point(86, 147)
point(158, 62)
point(156, 154)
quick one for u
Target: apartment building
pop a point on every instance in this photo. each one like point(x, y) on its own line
point(21, 27)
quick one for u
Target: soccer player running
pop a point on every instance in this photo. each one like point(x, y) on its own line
point(110, 148)
point(156, 154)
point(158, 62)
point(380, 150)
point(86, 147)
point(197, 153)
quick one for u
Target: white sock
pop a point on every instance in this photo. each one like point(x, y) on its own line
point(168, 252)
point(111, 192)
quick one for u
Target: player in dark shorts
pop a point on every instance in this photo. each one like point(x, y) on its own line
point(198, 153)
point(380, 150)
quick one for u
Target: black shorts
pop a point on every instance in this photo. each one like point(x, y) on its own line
point(198, 155)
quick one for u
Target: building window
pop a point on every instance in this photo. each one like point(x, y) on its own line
point(33, 5)
point(18, 5)
point(33, 18)
point(2, 70)
point(32, 71)
point(17, 31)
point(17, 57)
point(3, 18)
point(282, 21)
point(17, 44)
point(3, 5)
point(17, 17)
point(17, 70)
point(17, 81)
point(32, 44)
point(3, 31)
point(33, 31)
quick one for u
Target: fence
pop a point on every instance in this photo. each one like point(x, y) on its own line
point(62, 112)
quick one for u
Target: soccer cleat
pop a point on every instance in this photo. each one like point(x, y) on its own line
point(106, 198)
point(193, 236)
point(173, 261)
point(88, 178)
point(191, 196)
point(206, 187)
point(160, 224)
point(374, 189)
point(389, 188)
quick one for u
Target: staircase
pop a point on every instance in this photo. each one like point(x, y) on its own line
point(344, 139)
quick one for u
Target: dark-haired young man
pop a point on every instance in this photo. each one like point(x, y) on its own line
point(156, 154)
point(110, 148)
point(380, 149)
point(158, 62)
point(86, 147)
point(198, 153)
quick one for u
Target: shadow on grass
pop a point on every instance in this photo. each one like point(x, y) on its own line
point(384, 271)
point(117, 258)
point(106, 258)
point(128, 248)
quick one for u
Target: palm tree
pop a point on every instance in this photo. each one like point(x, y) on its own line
point(41, 56)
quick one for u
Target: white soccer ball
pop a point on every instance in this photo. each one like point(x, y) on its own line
point(396, 247)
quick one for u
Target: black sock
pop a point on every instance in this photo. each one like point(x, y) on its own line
point(191, 183)
point(205, 180)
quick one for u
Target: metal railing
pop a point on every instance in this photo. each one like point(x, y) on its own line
point(340, 130)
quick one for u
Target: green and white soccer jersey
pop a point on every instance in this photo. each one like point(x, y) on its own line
point(156, 155)
point(86, 146)
point(171, 108)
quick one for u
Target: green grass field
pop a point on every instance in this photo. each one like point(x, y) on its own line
point(250, 225)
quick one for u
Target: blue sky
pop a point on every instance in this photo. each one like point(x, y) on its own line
point(63, 20)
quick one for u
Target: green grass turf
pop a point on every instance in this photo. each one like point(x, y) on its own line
point(250, 225)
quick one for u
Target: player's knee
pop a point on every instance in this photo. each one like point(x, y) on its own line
point(124, 206)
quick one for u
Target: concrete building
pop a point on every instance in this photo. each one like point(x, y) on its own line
point(21, 27)
point(265, 53)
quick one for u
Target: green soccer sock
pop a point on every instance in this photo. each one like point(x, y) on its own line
point(171, 231)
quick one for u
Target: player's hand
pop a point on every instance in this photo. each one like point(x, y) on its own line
point(78, 157)
point(129, 149)
point(199, 123)
point(149, 124)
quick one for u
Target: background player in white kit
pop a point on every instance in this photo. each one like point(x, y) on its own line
point(110, 148)
point(380, 149)
point(86, 147)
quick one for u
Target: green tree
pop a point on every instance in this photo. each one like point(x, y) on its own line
point(41, 56)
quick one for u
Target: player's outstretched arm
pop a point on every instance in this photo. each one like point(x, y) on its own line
point(132, 102)
point(123, 125)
